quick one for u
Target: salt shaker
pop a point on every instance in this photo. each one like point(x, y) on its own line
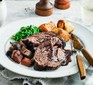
point(3, 12)
point(62, 4)
point(44, 8)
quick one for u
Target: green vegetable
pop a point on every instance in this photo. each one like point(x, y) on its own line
point(25, 32)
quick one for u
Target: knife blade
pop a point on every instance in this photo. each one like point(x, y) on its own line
point(77, 45)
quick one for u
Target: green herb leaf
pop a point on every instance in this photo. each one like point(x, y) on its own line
point(25, 32)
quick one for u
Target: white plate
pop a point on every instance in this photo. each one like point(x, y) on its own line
point(7, 31)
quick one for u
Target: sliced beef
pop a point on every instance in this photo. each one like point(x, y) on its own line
point(41, 37)
point(29, 45)
point(36, 39)
point(45, 50)
point(54, 53)
point(49, 56)
point(68, 54)
point(61, 55)
point(42, 55)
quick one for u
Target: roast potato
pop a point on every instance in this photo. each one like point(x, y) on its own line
point(64, 24)
point(47, 26)
point(64, 34)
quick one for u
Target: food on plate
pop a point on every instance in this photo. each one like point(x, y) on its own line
point(51, 57)
point(25, 52)
point(46, 48)
point(26, 61)
point(55, 30)
point(17, 56)
point(43, 48)
point(63, 28)
point(64, 34)
point(64, 24)
point(39, 38)
point(47, 26)
point(24, 32)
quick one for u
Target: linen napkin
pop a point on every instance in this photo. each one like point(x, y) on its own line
point(70, 80)
point(32, 81)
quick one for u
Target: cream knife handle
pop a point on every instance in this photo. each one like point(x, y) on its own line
point(87, 56)
point(81, 66)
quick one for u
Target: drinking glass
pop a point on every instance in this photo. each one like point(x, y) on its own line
point(87, 11)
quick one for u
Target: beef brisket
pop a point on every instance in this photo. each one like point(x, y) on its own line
point(46, 49)
point(50, 56)
point(36, 39)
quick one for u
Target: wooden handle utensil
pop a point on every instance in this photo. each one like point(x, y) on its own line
point(87, 56)
point(81, 67)
point(77, 45)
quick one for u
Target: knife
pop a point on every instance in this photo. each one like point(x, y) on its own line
point(77, 45)
point(81, 66)
point(80, 62)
